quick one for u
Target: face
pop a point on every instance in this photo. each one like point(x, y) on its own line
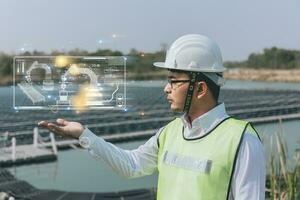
point(176, 92)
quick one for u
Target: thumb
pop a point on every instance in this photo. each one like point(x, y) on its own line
point(62, 122)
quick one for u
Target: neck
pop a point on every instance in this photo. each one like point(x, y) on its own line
point(197, 111)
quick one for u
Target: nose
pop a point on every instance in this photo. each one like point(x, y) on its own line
point(167, 88)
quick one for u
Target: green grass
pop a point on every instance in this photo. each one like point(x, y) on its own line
point(283, 181)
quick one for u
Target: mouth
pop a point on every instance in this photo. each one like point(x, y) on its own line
point(169, 100)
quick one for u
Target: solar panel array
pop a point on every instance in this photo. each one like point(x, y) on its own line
point(19, 189)
point(147, 110)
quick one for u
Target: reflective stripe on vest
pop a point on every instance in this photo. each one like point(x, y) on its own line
point(202, 168)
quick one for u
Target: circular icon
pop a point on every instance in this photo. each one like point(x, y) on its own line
point(119, 96)
point(63, 78)
point(119, 103)
point(54, 108)
point(63, 86)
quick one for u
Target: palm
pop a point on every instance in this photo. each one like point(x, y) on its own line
point(63, 127)
point(72, 128)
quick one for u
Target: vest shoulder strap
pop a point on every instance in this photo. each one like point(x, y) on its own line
point(162, 135)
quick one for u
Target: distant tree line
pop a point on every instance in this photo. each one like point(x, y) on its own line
point(139, 64)
point(271, 58)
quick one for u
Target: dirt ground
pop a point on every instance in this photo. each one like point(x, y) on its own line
point(292, 75)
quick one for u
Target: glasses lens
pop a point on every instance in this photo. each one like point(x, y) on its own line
point(174, 83)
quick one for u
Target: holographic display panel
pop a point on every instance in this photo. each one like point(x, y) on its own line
point(69, 83)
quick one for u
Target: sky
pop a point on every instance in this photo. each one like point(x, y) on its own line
point(240, 27)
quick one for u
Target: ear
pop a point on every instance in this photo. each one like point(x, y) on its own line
point(201, 89)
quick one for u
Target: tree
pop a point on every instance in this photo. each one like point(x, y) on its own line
point(6, 63)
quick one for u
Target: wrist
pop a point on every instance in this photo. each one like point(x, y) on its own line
point(86, 138)
point(80, 132)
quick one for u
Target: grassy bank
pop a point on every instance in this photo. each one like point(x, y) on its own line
point(7, 80)
point(247, 74)
point(269, 75)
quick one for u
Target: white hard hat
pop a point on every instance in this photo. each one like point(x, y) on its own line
point(193, 52)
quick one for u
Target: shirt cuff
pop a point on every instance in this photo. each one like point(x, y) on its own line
point(87, 138)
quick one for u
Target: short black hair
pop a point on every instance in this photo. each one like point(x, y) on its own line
point(213, 87)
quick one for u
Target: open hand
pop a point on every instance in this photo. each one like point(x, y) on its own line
point(63, 127)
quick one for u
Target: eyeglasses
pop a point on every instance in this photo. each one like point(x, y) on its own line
point(171, 82)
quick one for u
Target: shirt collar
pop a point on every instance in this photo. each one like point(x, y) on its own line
point(204, 123)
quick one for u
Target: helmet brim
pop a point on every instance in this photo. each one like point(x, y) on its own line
point(162, 65)
point(159, 64)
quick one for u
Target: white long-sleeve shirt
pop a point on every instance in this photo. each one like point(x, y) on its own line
point(249, 176)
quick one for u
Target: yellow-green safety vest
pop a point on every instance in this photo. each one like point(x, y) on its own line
point(200, 168)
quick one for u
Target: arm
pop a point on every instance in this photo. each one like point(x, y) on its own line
point(250, 171)
point(128, 163)
point(139, 162)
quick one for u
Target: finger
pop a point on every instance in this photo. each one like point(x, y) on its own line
point(55, 129)
point(62, 122)
point(43, 124)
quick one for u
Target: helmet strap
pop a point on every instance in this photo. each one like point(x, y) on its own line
point(189, 95)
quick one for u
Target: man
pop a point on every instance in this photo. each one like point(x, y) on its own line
point(205, 154)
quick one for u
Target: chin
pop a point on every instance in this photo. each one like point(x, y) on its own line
point(176, 109)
